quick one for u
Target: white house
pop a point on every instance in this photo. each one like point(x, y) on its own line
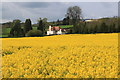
point(59, 32)
point(54, 30)
point(50, 32)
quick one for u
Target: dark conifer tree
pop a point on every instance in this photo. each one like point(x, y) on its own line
point(27, 26)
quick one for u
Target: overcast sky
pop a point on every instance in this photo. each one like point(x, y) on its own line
point(55, 10)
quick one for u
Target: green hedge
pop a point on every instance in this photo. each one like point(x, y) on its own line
point(34, 33)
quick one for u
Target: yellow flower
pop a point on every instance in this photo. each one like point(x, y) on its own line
point(61, 56)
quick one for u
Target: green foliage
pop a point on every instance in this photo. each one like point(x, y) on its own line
point(6, 31)
point(42, 23)
point(16, 30)
point(104, 27)
point(27, 26)
point(67, 21)
point(58, 22)
point(7, 24)
point(73, 14)
point(107, 25)
point(79, 27)
point(34, 33)
point(66, 26)
point(34, 28)
point(118, 25)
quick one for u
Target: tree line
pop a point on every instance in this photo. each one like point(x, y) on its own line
point(27, 30)
point(103, 25)
point(73, 17)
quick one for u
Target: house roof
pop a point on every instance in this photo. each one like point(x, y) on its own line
point(57, 28)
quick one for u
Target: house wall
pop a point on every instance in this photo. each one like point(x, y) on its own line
point(59, 32)
point(54, 30)
point(50, 32)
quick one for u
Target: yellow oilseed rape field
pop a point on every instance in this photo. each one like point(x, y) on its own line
point(61, 56)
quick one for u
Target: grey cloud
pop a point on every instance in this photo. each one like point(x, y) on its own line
point(55, 10)
point(10, 11)
point(33, 4)
point(37, 4)
point(119, 8)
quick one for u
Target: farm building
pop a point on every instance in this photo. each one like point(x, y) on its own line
point(55, 30)
point(90, 20)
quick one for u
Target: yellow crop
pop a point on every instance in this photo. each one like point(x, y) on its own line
point(61, 56)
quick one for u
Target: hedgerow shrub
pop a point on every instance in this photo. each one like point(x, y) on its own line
point(34, 33)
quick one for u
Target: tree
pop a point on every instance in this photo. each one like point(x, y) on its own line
point(74, 13)
point(95, 29)
point(42, 24)
point(44, 19)
point(27, 26)
point(58, 22)
point(113, 27)
point(104, 27)
point(118, 23)
point(64, 21)
point(79, 27)
point(7, 24)
point(16, 30)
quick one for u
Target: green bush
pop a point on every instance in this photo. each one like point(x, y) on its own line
point(34, 33)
